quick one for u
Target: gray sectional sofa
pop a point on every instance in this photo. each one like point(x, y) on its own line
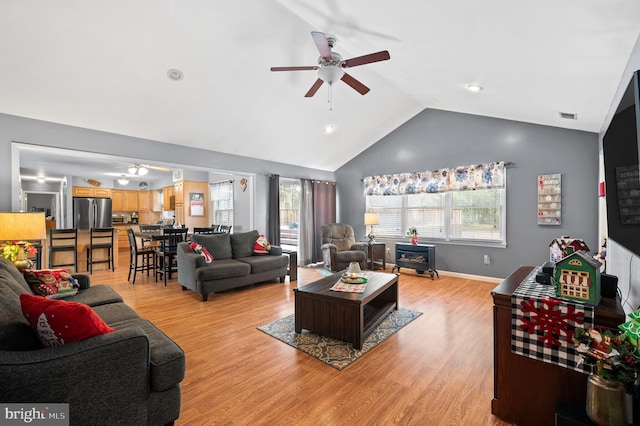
point(235, 264)
point(130, 376)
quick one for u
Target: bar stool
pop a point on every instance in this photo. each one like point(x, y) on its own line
point(100, 239)
point(63, 240)
point(142, 254)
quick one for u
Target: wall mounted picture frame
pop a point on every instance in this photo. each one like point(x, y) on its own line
point(196, 204)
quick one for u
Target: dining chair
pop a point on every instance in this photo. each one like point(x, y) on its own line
point(100, 239)
point(63, 240)
point(140, 258)
point(166, 256)
point(226, 229)
point(204, 231)
point(149, 228)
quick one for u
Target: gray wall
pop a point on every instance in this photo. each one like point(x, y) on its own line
point(435, 139)
point(25, 130)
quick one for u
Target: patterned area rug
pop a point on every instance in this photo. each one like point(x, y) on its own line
point(337, 353)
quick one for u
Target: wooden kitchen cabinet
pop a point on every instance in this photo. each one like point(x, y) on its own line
point(117, 200)
point(130, 201)
point(179, 213)
point(169, 200)
point(144, 201)
point(155, 201)
point(86, 191)
point(178, 192)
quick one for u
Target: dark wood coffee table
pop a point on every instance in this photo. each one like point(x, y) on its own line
point(349, 317)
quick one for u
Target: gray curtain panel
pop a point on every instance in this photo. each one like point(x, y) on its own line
point(273, 211)
point(306, 241)
point(324, 212)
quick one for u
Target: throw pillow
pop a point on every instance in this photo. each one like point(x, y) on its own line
point(51, 283)
point(198, 249)
point(57, 322)
point(262, 246)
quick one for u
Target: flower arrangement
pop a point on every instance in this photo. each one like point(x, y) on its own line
point(611, 355)
point(412, 232)
point(11, 249)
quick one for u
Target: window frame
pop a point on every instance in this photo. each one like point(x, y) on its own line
point(447, 210)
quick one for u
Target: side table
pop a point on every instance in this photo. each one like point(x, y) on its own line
point(376, 253)
point(293, 264)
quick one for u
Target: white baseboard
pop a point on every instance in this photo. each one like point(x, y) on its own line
point(461, 275)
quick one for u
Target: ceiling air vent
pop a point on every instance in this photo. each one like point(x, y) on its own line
point(568, 115)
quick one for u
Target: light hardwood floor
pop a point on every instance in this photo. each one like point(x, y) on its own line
point(438, 370)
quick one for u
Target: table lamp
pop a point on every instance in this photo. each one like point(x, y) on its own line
point(371, 219)
point(18, 228)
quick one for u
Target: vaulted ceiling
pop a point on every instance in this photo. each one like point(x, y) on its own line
point(103, 65)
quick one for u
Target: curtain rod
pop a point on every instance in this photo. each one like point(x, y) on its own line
point(221, 182)
point(271, 175)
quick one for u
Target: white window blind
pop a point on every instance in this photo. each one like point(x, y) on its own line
point(222, 202)
point(473, 216)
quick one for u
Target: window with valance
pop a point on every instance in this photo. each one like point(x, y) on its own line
point(461, 204)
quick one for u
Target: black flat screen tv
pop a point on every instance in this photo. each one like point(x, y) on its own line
point(620, 147)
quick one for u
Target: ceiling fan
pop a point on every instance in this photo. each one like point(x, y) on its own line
point(331, 65)
point(143, 169)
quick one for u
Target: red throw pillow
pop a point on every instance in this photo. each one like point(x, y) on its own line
point(198, 249)
point(57, 322)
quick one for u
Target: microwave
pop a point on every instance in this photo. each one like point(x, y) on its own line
point(119, 219)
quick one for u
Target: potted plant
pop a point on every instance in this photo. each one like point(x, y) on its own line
point(413, 234)
point(16, 252)
point(614, 364)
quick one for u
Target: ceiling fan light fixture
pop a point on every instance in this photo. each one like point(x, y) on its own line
point(123, 180)
point(138, 170)
point(330, 74)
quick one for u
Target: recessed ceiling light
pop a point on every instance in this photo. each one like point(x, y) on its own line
point(175, 75)
point(474, 87)
point(41, 179)
point(329, 128)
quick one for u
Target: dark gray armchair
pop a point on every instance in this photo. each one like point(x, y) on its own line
point(339, 247)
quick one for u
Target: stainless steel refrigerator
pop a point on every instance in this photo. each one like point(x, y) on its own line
point(91, 213)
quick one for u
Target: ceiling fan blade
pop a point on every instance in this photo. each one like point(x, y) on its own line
point(359, 87)
point(309, 68)
point(314, 88)
point(367, 59)
point(322, 44)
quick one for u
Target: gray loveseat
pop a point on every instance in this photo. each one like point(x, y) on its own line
point(234, 265)
point(130, 376)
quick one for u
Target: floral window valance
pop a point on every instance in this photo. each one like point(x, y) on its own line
point(479, 176)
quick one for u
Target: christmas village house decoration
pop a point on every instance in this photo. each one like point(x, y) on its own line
point(562, 247)
point(577, 277)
